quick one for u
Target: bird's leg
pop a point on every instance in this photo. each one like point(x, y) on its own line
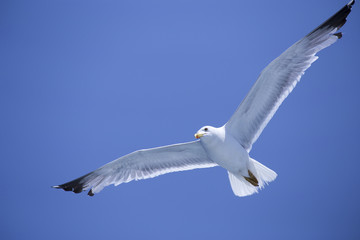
point(252, 179)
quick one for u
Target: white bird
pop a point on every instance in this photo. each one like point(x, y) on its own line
point(227, 146)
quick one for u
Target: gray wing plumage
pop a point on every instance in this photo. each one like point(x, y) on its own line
point(279, 78)
point(142, 164)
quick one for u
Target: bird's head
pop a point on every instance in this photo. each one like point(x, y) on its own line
point(204, 131)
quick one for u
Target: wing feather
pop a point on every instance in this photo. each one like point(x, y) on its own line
point(279, 78)
point(142, 164)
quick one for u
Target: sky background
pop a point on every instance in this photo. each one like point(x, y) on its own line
point(85, 82)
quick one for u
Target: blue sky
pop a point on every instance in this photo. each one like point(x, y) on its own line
point(85, 82)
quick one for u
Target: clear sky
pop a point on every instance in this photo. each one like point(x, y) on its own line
point(85, 82)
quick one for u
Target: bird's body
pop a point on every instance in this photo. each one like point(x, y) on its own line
point(225, 150)
point(227, 146)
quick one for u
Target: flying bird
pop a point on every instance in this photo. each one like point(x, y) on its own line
point(227, 146)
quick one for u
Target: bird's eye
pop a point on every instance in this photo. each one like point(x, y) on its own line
point(205, 129)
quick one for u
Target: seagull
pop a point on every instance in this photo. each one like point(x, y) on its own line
point(227, 146)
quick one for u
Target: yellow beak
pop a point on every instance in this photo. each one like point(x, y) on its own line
point(198, 135)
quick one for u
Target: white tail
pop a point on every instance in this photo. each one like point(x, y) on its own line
point(242, 188)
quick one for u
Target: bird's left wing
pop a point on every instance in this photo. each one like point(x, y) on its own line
point(142, 164)
point(279, 78)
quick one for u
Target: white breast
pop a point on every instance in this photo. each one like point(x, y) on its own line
point(223, 149)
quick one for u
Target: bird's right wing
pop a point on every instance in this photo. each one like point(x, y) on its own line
point(142, 164)
point(279, 78)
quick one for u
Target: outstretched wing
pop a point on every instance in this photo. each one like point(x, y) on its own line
point(142, 164)
point(279, 78)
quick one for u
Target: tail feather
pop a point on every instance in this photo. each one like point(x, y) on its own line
point(240, 185)
point(263, 173)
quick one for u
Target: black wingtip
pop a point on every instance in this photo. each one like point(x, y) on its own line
point(338, 35)
point(337, 20)
point(76, 186)
point(90, 193)
point(62, 187)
